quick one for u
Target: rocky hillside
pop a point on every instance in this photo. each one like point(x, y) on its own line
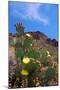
point(40, 40)
point(43, 42)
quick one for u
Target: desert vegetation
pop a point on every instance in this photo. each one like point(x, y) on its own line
point(35, 65)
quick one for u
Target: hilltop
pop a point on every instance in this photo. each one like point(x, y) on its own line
point(41, 41)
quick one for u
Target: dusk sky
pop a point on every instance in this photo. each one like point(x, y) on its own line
point(34, 17)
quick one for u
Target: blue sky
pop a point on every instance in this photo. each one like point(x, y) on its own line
point(34, 17)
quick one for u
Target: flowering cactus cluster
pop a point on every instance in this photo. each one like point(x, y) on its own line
point(34, 67)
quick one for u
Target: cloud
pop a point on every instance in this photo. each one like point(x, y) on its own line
point(32, 12)
point(29, 11)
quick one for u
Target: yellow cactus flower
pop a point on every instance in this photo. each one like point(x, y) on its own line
point(24, 72)
point(26, 60)
point(29, 35)
point(47, 52)
point(49, 55)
